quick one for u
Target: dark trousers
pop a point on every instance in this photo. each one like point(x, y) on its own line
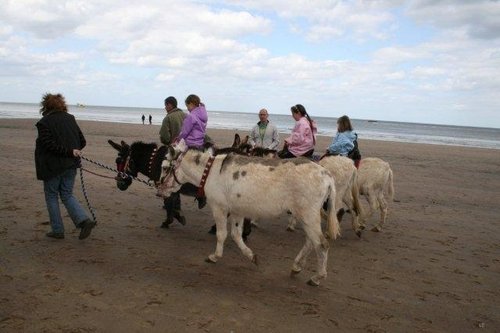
point(172, 204)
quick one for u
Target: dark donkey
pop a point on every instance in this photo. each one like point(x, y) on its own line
point(146, 158)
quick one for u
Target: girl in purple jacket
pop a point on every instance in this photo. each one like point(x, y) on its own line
point(194, 125)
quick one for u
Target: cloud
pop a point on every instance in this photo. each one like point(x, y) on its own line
point(320, 20)
point(45, 19)
point(478, 19)
point(354, 55)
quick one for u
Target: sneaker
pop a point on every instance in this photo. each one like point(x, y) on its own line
point(56, 235)
point(86, 228)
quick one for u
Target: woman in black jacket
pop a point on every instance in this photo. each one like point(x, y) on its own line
point(57, 152)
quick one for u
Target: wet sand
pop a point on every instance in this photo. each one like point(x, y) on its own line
point(435, 267)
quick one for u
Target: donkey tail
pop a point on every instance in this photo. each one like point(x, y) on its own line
point(390, 186)
point(333, 226)
point(355, 195)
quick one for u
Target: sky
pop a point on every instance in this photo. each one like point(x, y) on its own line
point(424, 61)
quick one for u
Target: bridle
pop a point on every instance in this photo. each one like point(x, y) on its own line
point(126, 166)
point(173, 165)
point(122, 165)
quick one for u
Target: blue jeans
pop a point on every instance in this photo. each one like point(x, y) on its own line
point(62, 185)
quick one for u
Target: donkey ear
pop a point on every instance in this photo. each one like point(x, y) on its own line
point(115, 145)
point(170, 154)
point(125, 145)
point(182, 146)
point(245, 140)
point(211, 151)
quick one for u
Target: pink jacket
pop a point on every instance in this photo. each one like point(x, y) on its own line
point(302, 138)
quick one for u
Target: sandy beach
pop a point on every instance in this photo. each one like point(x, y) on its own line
point(435, 267)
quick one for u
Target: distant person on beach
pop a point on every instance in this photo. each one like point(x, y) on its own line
point(264, 134)
point(143, 119)
point(170, 129)
point(58, 149)
point(302, 139)
point(150, 119)
point(345, 142)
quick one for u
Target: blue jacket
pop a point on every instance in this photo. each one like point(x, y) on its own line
point(342, 143)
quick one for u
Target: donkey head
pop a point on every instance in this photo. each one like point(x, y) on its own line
point(172, 159)
point(122, 160)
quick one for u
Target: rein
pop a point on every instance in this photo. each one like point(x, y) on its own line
point(206, 171)
point(120, 173)
point(85, 192)
point(157, 166)
point(172, 168)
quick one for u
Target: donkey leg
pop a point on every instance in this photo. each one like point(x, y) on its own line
point(372, 206)
point(321, 246)
point(300, 261)
point(168, 204)
point(220, 217)
point(177, 209)
point(247, 228)
point(382, 203)
point(292, 222)
point(236, 234)
point(356, 226)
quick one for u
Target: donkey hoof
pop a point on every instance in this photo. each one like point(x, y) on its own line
point(291, 229)
point(312, 283)
point(376, 229)
point(293, 272)
point(211, 259)
point(358, 233)
point(254, 260)
point(362, 227)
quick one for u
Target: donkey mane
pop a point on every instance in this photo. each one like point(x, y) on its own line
point(141, 146)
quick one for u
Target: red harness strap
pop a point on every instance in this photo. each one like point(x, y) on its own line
point(201, 188)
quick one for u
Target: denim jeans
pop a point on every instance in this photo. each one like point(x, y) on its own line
point(62, 185)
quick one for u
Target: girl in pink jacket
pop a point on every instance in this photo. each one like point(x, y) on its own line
point(302, 140)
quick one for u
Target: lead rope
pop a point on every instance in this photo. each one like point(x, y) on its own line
point(122, 174)
point(94, 218)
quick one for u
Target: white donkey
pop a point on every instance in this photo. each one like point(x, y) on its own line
point(375, 182)
point(240, 186)
point(346, 185)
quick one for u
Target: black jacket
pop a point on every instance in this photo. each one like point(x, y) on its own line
point(58, 135)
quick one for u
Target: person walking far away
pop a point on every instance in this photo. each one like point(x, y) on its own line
point(302, 139)
point(345, 142)
point(143, 119)
point(150, 119)
point(58, 149)
point(264, 134)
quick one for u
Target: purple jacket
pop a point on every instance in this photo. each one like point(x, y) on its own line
point(194, 127)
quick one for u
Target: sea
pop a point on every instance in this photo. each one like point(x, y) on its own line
point(479, 137)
